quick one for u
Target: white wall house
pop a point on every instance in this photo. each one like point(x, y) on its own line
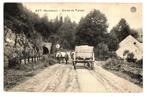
point(132, 45)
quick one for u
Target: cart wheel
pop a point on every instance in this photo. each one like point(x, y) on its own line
point(92, 65)
point(74, 64)
point(88, 64)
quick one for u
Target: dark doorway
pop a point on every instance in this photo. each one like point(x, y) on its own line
point(45, 50)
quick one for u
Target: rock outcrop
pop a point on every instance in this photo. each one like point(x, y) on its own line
point(17, 46)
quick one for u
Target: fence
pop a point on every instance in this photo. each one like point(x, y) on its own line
point(21, 59)
point(30, 59)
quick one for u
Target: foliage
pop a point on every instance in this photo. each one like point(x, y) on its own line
point(38, 29)
point(122, 30)
point(92, 29)
point(67, 33)
point(112, 42)
point(113, 64)
point(134, 33)
point(130, 57)
point(101, 51)
point(140, 63)
point(13, 9)
point(130, 71)
point(49, 60)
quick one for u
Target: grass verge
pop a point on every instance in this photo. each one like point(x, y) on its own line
point(15, 76)
point(130, 71)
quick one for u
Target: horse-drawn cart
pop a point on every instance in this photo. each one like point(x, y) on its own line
point(84, 54)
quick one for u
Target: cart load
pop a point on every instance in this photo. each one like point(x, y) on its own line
point(84, 54)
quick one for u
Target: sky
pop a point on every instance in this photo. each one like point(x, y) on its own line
point(132, 12)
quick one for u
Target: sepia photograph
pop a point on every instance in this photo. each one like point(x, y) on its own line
point(73, 47)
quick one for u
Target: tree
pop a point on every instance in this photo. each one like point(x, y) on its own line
point(57, 23)
point(54, 39)
point(102, 50)
point(67, 33)
point(112, 42)
point(92, 29)
point(134, 33)
point(121, 30)
point(12, 9)
point(13, 12)
point(36, 40)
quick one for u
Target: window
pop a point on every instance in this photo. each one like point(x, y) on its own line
point(134, 43)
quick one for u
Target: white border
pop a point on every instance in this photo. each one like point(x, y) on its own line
point(24, 94)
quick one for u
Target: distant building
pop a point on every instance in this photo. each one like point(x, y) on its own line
point(132, 45)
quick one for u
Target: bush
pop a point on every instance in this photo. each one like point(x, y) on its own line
point(133, 71)
point(52, 60)
point(14, 63)
point(101, 51)
point(113, 64)
point(14, 60)
point(49, 60)
point(130, 57)
point(140, 63)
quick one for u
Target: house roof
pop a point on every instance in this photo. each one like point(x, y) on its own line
point(129, 40)
point(132, 45)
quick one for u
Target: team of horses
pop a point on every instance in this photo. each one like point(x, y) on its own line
point(64, 56)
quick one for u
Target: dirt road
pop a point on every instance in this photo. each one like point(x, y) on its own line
point(63, 78)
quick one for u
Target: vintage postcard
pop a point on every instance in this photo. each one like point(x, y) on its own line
point(73, 47)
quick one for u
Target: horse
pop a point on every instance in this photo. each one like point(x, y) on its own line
point(61, 56)
point(72, 55)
